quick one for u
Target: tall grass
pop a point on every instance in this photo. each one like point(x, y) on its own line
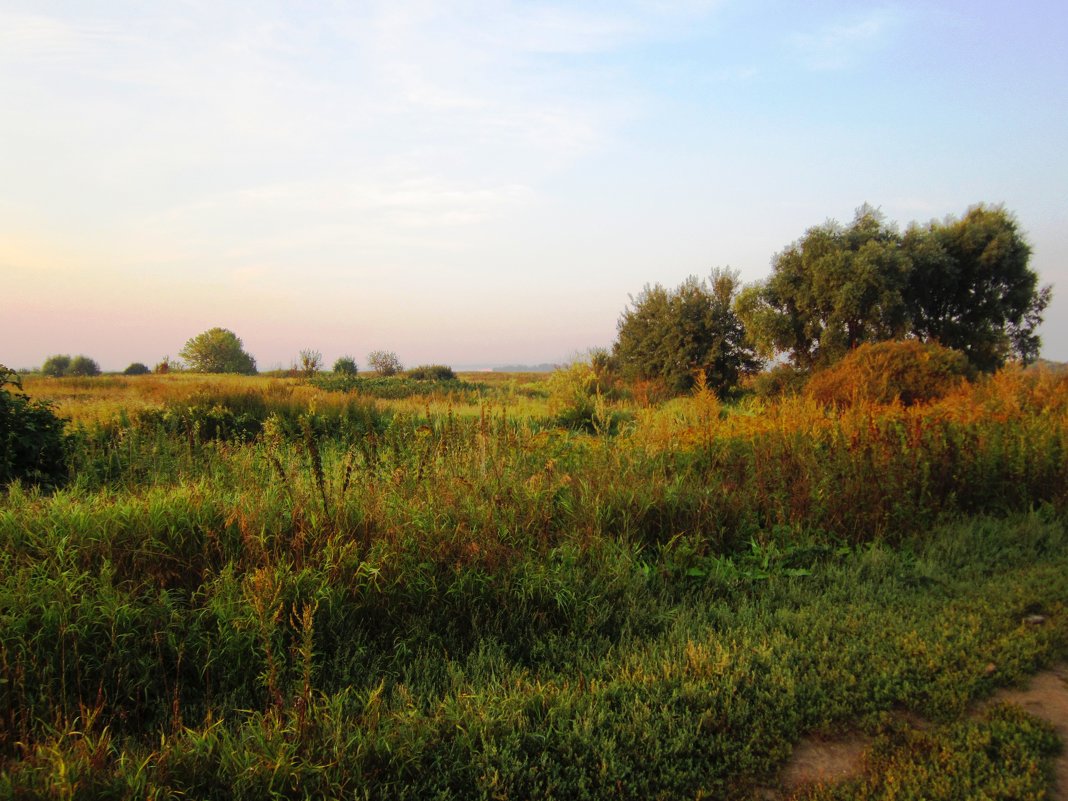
point(254, 589)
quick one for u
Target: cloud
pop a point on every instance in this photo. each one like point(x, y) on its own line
point(839, 45)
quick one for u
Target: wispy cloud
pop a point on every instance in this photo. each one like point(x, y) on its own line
point(841, 44)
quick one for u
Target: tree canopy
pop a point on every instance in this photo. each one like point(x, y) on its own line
point(671, 334)
point(971, 288)
point(217, 350)
point(963, 283)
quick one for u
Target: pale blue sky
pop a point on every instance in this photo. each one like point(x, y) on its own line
point(480, 182)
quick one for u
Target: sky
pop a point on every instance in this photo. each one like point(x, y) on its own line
point(476, 183)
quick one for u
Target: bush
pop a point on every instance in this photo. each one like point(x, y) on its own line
point(56, 366)
point(217, 350)
point(345, 365)
point(384, 362)
point(83, 366)
point(137, 368)
point(670, 335)
point(432, 372)
point(311, 362)
point(778, 382)
point(909, 371)
point(32, 442)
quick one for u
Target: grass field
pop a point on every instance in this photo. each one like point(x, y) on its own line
point(506, 587)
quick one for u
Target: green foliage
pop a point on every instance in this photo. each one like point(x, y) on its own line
point(1005, 754)
point(62, 365)
point(778, 382)
point(908, 371)
point(671, 334)
point(971, 288)
point(83, 366)
point(32, 442)
point(136, 368)
point(384, 362)
point(832, 290)
point(579, 399)
point(242, 595)
point(345, 366)
point(432, 372)
point(55, 366)
point(963, 283)
point(217, 350)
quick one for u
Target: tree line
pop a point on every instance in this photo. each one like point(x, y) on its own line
point(963, 283)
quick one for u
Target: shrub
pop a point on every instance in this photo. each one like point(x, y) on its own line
point(217, 350)
point(137, 368)
point(384, 362)
point(432, 372)
point(909, 371)
point(778, 382)
point(345, 365)
point(56, 366)
point(163, 367)
point(83, 366)
point(311, 362)
point(671, 334)
point(578, 400)
point(32, 443)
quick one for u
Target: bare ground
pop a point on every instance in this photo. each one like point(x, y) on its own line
point(825, 761)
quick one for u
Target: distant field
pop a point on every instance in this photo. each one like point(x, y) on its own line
point(527, 586)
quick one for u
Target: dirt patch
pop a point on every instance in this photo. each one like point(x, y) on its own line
point(828, 761)
point(825, 761)
point(1046, 697)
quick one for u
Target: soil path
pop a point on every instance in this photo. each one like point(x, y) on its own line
point(828, 761)
point(1046, 697)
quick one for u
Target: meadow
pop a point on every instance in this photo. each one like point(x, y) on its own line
point(520, 586)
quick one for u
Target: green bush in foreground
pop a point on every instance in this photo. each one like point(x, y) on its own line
point(32, 444)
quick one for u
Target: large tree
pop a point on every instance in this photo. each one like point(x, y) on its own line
point(834, 289)
point(971, 288)
point(963, 283)
point(673, 334)
point(217, 350)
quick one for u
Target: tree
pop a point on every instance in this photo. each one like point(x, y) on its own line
point(217, 350)
point(971, 288)
point(56, 366)
point(384, 362)
point(669, 335)
point(311, 362)
point(345, 365)
point(83, 366)
point(136, 368)
point(832, 290)
point(963, 283)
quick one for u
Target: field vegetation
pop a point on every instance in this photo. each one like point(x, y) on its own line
point(509, 586)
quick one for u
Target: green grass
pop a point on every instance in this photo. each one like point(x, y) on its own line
point(258, 589)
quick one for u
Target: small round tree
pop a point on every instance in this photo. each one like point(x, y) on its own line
point(345, 365)
point(217, 350)
point(56, 366)
point(83, 366)
point(384, 362)
point(137, 368)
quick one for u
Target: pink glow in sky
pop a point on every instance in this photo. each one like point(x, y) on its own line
point(485, 182)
